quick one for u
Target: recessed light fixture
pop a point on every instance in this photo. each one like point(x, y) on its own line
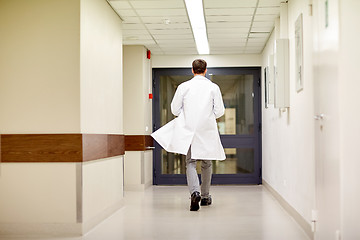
point(195, 12)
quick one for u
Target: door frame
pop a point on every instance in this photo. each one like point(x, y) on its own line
point(228, 140)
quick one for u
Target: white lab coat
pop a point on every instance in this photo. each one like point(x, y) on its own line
point(197, 103)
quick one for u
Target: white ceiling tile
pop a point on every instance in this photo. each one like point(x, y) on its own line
point(126, 12)
point(268, 18)
point(161, 12)
point(262, 29)
point(174, 36)
point(230, 4)
point(269, 3)
point(127, 33)
point(238, 18)
point(226, 42)
point(181, 51)
point(226, 35)
point(222, 31)
point(240, 30)
point(257, 40)
point(133, 26)
point(258, 35)
point(229, 11)
point(157, 4)
point(169, 26)
point(169, 32)
point(138, 37)
point(154, 46)
point(229, 30)
point(255, 44)
point(178, 48)
point(175, 41)
point(138, 42)
point(172, 44)
point(160, 19)
point(228, 45)
point(229, 24)
point(263, 24)
point(227, 52)
point(131, 20)
point(157, 53)
point(268, 10)
point(252, 51)
point(228, 48)
point(120, 4)
point(255, 48)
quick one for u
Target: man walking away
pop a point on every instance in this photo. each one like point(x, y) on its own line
point(197, 103)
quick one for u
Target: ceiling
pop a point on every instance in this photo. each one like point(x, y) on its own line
point(233, 26)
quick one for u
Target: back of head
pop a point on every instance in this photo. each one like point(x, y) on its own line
point(199, 66)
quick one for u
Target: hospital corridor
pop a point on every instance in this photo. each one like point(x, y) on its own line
point(112, 110)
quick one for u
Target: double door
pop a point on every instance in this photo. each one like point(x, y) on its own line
point(239, 128)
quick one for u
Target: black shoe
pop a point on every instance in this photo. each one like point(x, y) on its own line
point(195, 199)
point(206, 201)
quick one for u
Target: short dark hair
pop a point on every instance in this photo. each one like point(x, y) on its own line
point(199, 66)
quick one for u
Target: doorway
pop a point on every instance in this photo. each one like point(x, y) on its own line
point(240, 127)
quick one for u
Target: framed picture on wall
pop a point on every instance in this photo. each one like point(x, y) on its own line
point(299, 53)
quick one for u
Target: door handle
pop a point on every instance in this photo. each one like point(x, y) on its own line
point(319, 117)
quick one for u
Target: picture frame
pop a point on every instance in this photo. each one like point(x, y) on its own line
point(299, 53)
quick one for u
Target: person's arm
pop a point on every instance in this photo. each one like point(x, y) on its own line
point(177, 102)
point(219, 108)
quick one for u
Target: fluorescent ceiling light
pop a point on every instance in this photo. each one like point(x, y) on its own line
point(197, 20)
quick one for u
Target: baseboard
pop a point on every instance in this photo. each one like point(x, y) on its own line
point(148, 184)
point(40, 230)
point(137, 187)
point(290, 210)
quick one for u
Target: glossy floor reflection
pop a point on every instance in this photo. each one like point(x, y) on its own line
point(237, 212)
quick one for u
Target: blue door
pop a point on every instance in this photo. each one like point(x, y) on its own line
point(240, 127)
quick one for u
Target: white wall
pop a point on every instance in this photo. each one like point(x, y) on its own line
point(30, 204)
point(133, 167)
point(39, 93)
point(21, 181)
point(288, 137)
point(101, 68)
point(39, 66)
point(349, 118)
point(49, 49)
point(147, 88)
point(101, 75)
point(138, 85)
point(137, 115)
point(138, 170)
point(102, 189)
point(148, 168)
point(168, 61)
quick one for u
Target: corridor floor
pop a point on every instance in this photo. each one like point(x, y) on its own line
point(162, 212)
